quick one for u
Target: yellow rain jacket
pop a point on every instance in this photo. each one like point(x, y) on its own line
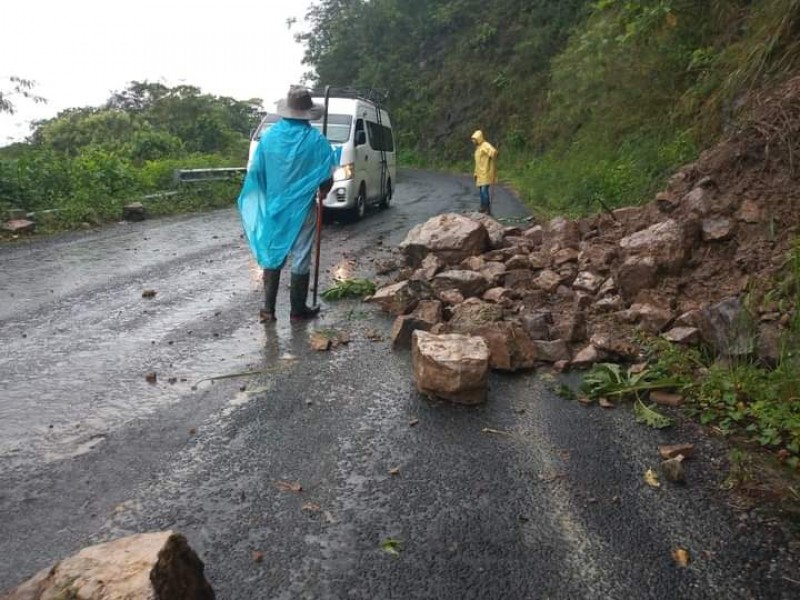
point(485, 160)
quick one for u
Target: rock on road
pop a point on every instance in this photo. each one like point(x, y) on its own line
point(552, 506)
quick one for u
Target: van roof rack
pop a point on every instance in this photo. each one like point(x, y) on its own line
point(374, 95)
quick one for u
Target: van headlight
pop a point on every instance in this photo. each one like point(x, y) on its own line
point(343, 173)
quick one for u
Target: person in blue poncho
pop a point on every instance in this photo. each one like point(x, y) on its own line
point(291, 169)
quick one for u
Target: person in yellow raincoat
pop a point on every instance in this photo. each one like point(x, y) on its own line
point(485, 169)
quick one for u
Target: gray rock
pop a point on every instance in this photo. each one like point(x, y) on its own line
point(17, 226)
point(551, 351)
point(728, 328)
point(136, 211)
point(718, 230)
point(682, 335)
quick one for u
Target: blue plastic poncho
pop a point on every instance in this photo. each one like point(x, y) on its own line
point(291, 161)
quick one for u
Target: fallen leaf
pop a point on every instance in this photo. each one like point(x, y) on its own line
point(149, 294)
point(257, 556)
point(391, 546)
point(606, 403)
point(192, 431)
point(394, 471)
point(311, 507)
point(651, 479)
point(287, 486)
point(413, 422)
point(151, 377)
point(681, 556)
point(343, 337)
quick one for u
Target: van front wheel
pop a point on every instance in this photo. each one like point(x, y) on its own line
point(361, 204)
point(387, 198)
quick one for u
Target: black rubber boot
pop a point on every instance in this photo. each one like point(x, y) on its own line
point(297, 295)
point(272, 279)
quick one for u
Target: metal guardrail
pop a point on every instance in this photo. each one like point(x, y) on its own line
point(216, 174)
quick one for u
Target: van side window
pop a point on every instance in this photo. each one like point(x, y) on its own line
point(359, 128)
point(380, 137)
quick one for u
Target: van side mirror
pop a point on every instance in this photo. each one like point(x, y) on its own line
point(361, 138)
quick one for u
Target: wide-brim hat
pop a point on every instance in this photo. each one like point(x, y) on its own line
point(299, 105)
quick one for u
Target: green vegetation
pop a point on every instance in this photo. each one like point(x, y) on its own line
point(587, 100)
point(88, 162)
point(611, 381)
point(349, 288)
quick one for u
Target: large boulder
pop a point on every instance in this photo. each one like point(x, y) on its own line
point(451, 237)
point(145, 566)
point(451, 366)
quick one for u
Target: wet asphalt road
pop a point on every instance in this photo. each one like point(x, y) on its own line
point(552, 507)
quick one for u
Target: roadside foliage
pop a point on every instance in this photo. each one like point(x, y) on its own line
point(86, 163)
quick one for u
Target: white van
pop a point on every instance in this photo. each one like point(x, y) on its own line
point(367, 170)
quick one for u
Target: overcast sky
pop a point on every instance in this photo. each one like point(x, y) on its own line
point(79, 51)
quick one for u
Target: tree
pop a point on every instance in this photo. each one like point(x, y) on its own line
point(18, 87)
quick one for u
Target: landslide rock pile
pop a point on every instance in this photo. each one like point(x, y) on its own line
point(705, 262)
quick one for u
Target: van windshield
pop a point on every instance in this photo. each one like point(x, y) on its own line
point(338, 127)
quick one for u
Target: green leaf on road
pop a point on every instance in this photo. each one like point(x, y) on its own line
point(391, 546)
point(648, 416)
